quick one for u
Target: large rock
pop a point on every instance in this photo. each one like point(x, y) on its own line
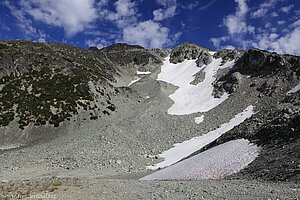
point(204, 58)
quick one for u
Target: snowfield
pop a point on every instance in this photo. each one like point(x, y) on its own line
point(215, 163)
point(186, 148)
point(190, 98)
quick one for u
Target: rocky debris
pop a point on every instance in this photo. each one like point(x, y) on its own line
point(161, 52)
point(256, 62)
point(198, 77)
point(269, 87)
point(204, 58)
point(228, 83)
point(186, 51)
point(228, 55)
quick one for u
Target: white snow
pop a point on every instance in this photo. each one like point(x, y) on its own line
point(1, 87)
point(190, 98)
point(295, 89)
point(186, 148)
point(142, 73)
point(215, 163)
point(199, 120)
point(10, 146)
point(133, 81)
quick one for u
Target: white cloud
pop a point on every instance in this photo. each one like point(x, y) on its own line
point(23, 22)
point(74, 16)
point(280, 22)
point(217, 41)
point(168, 11)
point(236, 23)
point(228, 47)
point(195, 5)
point(125, 13)
point(97, 42)
point(274, 14)
point(289, 43)
point(264, 8)
point(287, 9)
point(148, 34)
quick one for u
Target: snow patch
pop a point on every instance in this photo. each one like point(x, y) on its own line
point(186, 148)
point(190, 98)
point(199, 120)
point(142, 73)
point(215, 163)
point(10, 146)
point(294, 90)
point(133, 81)
point(1, 87)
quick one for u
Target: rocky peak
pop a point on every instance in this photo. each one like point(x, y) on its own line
point(123, 55)
point(186, 51)
point(122, 47)
point(256, 62)
point(228, 55)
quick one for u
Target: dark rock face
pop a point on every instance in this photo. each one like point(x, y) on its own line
point(204, 58)
point(262, 64)
point(256, 62)
point(228, 55)
point(186, 51)
point(161, 52)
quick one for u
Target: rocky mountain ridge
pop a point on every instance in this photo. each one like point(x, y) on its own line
point(53, 88)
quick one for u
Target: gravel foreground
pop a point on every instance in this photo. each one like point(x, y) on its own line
point(102, 188)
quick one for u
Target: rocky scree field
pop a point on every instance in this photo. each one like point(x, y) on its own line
point(89, 120)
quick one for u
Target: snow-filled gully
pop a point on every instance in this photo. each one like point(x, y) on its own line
point(190, 98)
point(227, 158)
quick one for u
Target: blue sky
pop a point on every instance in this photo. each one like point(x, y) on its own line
point(268, 24)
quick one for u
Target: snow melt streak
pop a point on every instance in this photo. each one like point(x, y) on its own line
point(186, 148)
point(215, 163)
point(294, 90)
point(190, 98)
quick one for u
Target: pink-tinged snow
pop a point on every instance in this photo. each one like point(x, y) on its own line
point(190, 98)
point(186, 148)
point(294, 90)
point(215, 163)
point(199, 120)
point(134, 81)
point(142, 73)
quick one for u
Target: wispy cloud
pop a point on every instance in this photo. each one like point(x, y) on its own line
point(286, 9)
point(236, 23)
point(268, 36)
point(196, 5)
point(60, 13)
point(168, 10)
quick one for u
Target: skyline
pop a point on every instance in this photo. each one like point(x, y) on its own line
point(269, 24)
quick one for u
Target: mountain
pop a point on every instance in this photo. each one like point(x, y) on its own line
point(116, 113)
